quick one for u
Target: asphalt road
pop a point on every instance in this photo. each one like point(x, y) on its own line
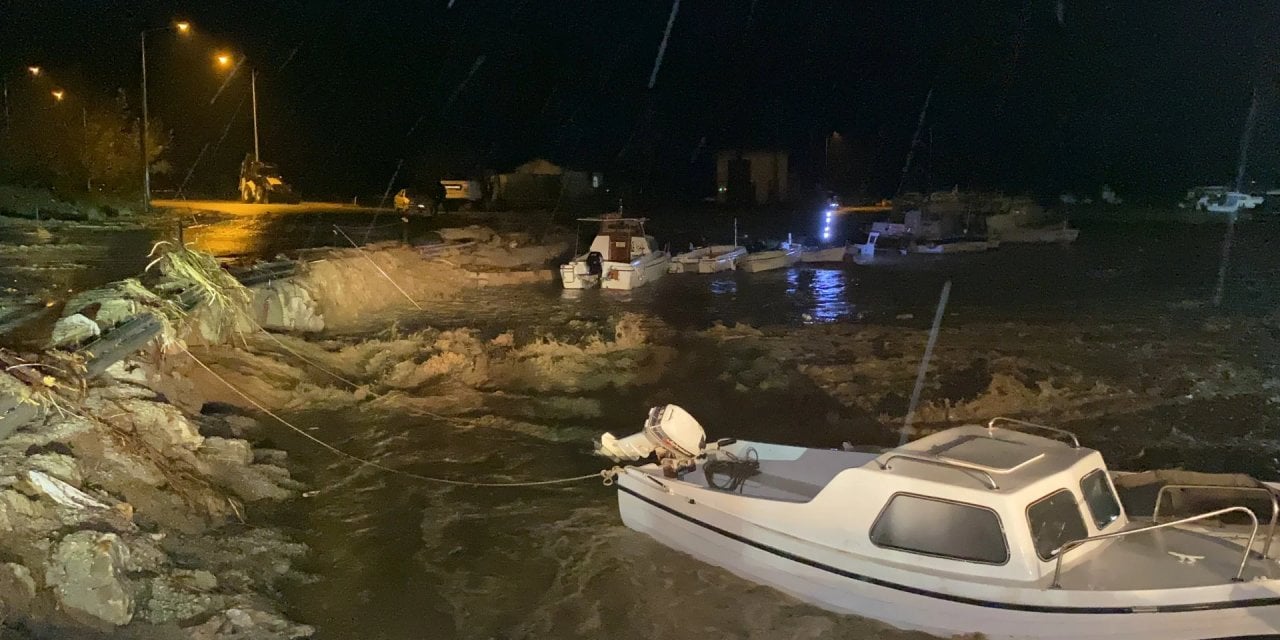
point(234, 207)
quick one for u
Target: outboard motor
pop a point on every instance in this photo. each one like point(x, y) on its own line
point(670, 432)
point(595, 263)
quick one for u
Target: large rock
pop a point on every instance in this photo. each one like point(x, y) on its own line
point(86, 576)
point(283, 305)
point(17, 590)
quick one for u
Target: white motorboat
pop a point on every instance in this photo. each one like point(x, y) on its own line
point(620, 257)
point(713, 259)
point(976, 529)
point(827, 254)
point(767, 260)
point(954, 246)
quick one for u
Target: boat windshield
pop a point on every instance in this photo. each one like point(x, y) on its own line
point(1055, 520)
point(1101, 499)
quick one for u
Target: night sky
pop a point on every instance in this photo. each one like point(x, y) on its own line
point(1034, 95)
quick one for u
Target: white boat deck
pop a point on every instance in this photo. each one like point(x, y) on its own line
point(1165, 559)
point(794, 480)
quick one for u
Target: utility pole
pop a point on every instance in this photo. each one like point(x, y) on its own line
point(253, 89)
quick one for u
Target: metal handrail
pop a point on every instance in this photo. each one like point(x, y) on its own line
point(991, 482)
point(1062, 551)
point(1075, 440)
point(1275, 506)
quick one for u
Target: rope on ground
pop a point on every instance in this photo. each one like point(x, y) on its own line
point(375, 266)
point(607, 475)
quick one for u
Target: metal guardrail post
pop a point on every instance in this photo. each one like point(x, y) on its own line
point(1275, 506)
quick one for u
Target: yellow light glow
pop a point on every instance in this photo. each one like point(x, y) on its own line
point(184, 27)
point(34, 71)
point(223, 59)
point(58, 94)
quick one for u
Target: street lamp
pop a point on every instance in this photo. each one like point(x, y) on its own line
point(225, 61)
point(183, 28)
point(58, 94)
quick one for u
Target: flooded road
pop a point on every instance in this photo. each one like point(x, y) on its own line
point(397, 558)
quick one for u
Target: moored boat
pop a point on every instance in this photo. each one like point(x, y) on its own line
point(826, 254)
point(984, 529)
point(954, 246)
point(621, 256)
point(768, 260)
point(712, 259)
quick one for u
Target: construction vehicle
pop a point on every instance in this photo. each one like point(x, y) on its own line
point(260, 182)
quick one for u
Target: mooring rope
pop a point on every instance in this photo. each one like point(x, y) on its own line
point(607, 475)
point(375, 266)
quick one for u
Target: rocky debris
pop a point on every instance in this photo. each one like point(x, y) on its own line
point(17, 590)
point(248, 624)
point(473, 233)
point(182, 597)
point(86, 577)
point(73, 330)
point(285, 305)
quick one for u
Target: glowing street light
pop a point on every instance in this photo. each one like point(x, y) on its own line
point(223, 60)
point(183, 27)
point(58, 94)
point(34, 71)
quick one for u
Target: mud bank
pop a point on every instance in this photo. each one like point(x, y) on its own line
point(346, 290)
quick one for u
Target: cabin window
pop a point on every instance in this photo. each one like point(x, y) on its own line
point(1101, 499)
point(941, 528)
point(1055, 520)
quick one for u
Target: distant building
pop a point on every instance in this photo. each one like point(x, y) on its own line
point(540, 183)
point(751, 177)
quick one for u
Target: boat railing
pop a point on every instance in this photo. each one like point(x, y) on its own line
point(1014, 423)
point(1244, 559)
point(939, 462)
point(1275, 505)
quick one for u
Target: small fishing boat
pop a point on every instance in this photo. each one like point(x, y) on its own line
point(767, 260)
point(621, 256)
point(991, 529)
point(827, 254)
point(713, 259)
point(954, 246)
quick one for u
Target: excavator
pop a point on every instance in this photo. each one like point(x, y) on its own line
point(260, 182)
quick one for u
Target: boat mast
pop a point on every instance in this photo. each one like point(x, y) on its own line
point(915, 142)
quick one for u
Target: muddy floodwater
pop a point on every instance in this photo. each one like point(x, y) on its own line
point(397, 558)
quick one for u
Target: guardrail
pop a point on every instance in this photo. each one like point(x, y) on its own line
point(991, 426)
point(939, 462)
point(1275, 506)
point(1062, 551)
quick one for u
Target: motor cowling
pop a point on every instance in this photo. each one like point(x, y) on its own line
point(595, 263)
point(669, 430)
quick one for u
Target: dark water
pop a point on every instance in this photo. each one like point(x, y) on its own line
point(400, 559)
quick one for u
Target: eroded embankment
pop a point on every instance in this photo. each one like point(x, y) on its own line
point(119, 511)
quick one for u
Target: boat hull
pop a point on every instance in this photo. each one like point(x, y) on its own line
point(956, 247)
point(624, 276)
point(830, 254)
point(575, 275)
point(758, 554)
point(708, 260)
point(769, 260)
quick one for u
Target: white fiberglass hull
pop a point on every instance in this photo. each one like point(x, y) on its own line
point(844, 583)
point(830, 254)
point(712, 259)
point(769, 260)
point(576, 275)
point(625, 276)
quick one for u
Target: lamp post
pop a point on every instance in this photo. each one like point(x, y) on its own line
point(225, 60)
point(183, 28)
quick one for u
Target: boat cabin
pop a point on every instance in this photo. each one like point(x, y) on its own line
point(991, 496)
point(978, 500)
point(621, 239)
